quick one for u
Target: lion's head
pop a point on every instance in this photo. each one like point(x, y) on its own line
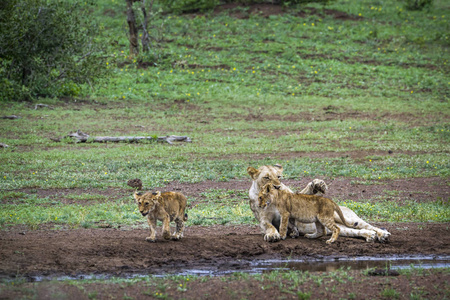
point(267, 195)
point(266, 174)
point(147, 202)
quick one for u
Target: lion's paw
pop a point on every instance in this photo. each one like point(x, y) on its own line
point(176, 237)
point(383, 236)
point(311, 235)
point(319, 186)
point(150, 239)
point(272, 237)
point(166, 235)
point(371, 236)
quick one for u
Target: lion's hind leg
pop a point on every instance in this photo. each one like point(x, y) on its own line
point(381, 235)
point(331, 225)
point(178, 234)
point(320, 231)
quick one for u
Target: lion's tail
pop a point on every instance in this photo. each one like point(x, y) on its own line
point(185, 217)
point(341, 215)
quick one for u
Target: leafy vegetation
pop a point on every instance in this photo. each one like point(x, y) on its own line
point(47, 49)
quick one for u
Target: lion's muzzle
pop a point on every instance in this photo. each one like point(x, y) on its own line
point(144, 213)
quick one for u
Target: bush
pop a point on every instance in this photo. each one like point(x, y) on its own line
point(46, 49)
point(418, 4)
point(187, 6)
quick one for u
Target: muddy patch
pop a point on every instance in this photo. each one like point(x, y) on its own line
point(117, 252)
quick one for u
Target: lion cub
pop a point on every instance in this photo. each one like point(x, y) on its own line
point(166, 207)
point(304, 209)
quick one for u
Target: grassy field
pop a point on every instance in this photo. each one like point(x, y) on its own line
point(247, 91)
point(303, 87)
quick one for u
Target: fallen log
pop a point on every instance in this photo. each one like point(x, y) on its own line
point(81, 137)
point(11, 117)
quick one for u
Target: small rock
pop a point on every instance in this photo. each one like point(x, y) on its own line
point(135, 183)
point(383, 272)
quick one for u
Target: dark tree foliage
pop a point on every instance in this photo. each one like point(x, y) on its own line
point(46, 49)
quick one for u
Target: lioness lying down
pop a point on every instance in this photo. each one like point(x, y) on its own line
point(166, 207)
point(303, 208)
point(269, 219)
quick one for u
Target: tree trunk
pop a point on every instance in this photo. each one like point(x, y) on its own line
point(145, 35)
point(131, 19)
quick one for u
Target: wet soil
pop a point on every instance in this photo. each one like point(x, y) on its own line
point(50, 253)
point(120, 251)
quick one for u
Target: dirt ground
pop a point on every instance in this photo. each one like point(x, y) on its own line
point(123, 250)
point(48, 253)
point(31, 255)
point(119, 252)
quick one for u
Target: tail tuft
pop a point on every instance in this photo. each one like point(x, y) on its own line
point(185, 217)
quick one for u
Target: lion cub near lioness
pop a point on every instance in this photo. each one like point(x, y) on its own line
point(303, 208)
point(166, 207)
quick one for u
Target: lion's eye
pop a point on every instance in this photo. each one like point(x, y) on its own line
point(279, 177)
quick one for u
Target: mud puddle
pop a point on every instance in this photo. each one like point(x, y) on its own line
point(262, 266)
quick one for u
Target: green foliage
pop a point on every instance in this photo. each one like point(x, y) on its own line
point(186, 6)
point(47, 49)
point(418, 4)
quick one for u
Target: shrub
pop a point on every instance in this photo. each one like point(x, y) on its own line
point(186, 6)
point(46, 49)
point(418, 4)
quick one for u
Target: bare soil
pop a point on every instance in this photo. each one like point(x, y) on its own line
point(123, 250)
point(116, 252)
point(49, 253)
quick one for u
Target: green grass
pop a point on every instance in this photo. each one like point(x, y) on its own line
point(247, 91)
point(304, 285)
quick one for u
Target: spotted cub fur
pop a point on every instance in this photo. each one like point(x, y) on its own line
point(303, 208)
point(166, 207)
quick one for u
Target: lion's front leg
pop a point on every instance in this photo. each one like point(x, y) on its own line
point(166, 227)
point(151, 220)
point(284, 225)
point(270, 232)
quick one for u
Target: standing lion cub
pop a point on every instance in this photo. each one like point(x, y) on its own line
point(166, 207)
point(303, 208)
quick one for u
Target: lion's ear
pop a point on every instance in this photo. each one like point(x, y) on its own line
point(253, 172)
point(157, 193)
point(268, 187)
point(279, 167)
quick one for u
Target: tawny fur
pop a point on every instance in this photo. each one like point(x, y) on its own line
point(303, 208)
point(267, 217)
point(166, 207)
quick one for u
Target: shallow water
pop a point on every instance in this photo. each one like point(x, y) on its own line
point(262, 266)
point(329, 265)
